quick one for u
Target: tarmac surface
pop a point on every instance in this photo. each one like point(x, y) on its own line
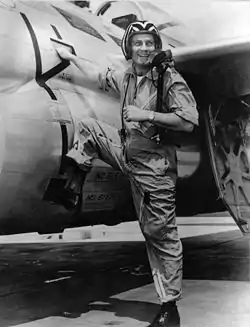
point(102, 278)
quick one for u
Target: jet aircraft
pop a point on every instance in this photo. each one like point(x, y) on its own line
point(42, 98)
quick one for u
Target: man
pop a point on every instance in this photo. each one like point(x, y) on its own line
point(149, 162)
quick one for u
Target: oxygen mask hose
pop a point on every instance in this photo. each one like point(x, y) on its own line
point(160, 61)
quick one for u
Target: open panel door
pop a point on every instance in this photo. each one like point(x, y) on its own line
point(228, 133)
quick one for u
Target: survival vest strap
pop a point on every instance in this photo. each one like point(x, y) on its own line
point(162, 61)
point(122, 131)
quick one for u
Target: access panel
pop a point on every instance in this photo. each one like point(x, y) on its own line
point(228, 133)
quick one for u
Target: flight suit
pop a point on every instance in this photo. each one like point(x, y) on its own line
point(150, 165)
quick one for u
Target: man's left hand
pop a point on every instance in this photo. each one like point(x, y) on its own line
point(133, 113)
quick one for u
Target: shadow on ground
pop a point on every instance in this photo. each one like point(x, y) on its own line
point(69, 279)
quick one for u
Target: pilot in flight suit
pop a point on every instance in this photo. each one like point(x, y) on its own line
point(149, 164)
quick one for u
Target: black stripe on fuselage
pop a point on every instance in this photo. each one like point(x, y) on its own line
point(58, 68)
point(36, 48)
point(56, 31)
point(63, 126)
point(42, 78)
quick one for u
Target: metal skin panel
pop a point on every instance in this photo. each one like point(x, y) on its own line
point(16, 70)
point(38, 119)
point(222, 66)
point(32, 146)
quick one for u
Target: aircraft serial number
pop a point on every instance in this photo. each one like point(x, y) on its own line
point(105, 176)
point(98, 197)
point(99, 201)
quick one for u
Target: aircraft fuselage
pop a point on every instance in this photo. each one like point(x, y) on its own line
point(41, 100)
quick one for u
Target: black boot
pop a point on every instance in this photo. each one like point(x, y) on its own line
point(67, 191)
point(168, 316)
point(71, 195)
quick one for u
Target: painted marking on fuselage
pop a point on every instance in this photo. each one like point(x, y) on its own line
point(56, 31)
point(38, 77)
point(96, 201)
point(42, 78)
point(63, 126)
point(106, 176)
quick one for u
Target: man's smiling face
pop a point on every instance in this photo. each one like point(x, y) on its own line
point(142, 47)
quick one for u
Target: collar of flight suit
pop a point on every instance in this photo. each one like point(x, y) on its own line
point(151, 74)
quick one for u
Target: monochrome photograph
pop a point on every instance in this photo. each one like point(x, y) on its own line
point(125, 163)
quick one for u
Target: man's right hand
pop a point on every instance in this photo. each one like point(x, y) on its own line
point(65, 54)
point(88, 68)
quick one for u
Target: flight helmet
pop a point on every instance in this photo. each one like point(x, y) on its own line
point(139, 27)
